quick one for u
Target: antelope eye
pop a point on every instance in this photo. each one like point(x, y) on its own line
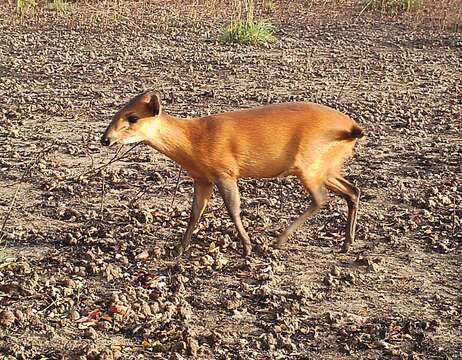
point(132, 119)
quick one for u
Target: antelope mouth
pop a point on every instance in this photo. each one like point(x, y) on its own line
point(105, 141)
point(132, 140)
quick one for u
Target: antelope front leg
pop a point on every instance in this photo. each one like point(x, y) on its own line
point(202, 192)
point(230, 193)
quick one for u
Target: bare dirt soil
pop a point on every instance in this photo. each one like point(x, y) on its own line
point(85, 265)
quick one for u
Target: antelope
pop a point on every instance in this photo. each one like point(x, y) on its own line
point(304, 139)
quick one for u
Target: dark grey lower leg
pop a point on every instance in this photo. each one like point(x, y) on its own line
point(317, 201)
point(230, 193)
point(352, 199)
point(351, 194)
point(202, 193)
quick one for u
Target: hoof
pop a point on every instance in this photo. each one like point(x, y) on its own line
point(178, 250)
point(277, 245)
point(280, 242)
point(345, 247)
point(247, 250)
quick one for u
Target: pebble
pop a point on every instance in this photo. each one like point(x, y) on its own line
point(207, 260)
point(6, 318)
point(146, 309)
point(193, 346)
point(74, 315)
point(335, 271)
point(104, 325)
point(19, 315)
point(382, 344)
point(90, 333)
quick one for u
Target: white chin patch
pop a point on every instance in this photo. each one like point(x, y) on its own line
point(131, 140)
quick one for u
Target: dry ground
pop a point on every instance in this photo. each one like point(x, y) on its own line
point(86, 268)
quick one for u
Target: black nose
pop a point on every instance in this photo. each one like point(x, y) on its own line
point(105, 141)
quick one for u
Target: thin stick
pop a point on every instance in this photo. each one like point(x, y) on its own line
point(361, 73)
point(138, 195)
point(281, 195)
point(91, 158)
point(453, 226)
point(107, 164)
point(364, 9)
point(16, 192)
point(343, 87)
point(114, 159)
point(144, 189)
point(102, 198)
point(9, 211)
point(176, 187)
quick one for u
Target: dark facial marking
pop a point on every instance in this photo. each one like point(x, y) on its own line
point(132, 118)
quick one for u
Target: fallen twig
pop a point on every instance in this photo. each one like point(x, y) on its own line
point(453, 226)
point(281, 194)
point(138, 195)
point(18, 187)
point(176, 188)
point(364, 9)
point(114, 159)
point(348, 81)
point(103, 192)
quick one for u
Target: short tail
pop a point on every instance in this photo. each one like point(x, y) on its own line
point(354, 133)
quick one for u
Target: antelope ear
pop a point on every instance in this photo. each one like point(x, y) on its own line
point(155, 102)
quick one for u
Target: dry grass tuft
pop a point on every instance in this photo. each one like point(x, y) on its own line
point(243, 28)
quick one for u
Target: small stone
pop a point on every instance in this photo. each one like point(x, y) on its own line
point(144, 255)
point(24, 267)
point(105, 354)
point(19, 315)
point(154, 308)
point(157, 252)
point(177, 356)
point(364, 261)
point(350, 277)
point(71, 240)
point(116, 354)
point(193, 346)
point(207, 260)
point(328, 280)
point(373, 267)
point(104, 325)
point(124, 260)
point(6, 318)
point(180, 346)
point(69, 283)
point(382, 344)
point(90, 333)
point(146, 309)
point(115, 298)
point(335, 271)
point(220, 261)
point(74, 315)
point(92, 354)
